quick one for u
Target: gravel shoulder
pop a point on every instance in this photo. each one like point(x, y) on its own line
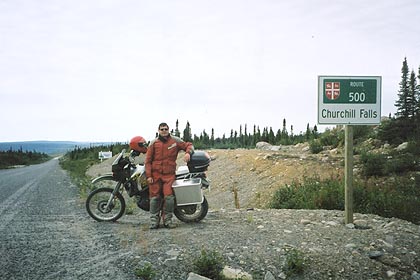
point(254, 241)
point(46, 234)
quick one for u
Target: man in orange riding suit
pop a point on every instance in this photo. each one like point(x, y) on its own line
point(160, 166)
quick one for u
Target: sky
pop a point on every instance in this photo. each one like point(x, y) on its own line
point(107, 70)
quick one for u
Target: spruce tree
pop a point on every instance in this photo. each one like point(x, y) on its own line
point(240, 140)
point(258, 135)
point(403, 93)
point(417, 107)
point(177, 133)
point(246, 138)
point(417, 111)
point(404, 127)
point(264, 136)
point(315, 132)
point(231, 139)
point(284, 134)
point(254, 136)
point(205, 139)
point(271, 137)
point(308, 133)
point(187, 133)
point(412, 96)
point(278, 136)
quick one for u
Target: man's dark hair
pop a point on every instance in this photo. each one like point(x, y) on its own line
point(163, 125)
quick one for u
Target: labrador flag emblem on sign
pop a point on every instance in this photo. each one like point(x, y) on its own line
point(332, 90)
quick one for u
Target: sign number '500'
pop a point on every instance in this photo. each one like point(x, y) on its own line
point(357, 97)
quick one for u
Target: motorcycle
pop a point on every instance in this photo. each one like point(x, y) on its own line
point(107, 203)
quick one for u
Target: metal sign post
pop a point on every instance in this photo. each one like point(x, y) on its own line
point(348, 176)
point(354, 100)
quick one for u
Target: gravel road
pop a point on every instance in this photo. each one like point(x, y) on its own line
point(46, 234)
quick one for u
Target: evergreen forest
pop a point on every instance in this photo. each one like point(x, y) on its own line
point(15, 158)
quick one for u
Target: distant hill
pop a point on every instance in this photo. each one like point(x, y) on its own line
point(47, 147)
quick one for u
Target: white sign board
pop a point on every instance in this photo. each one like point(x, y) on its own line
point(104, 155)
point(353, 100)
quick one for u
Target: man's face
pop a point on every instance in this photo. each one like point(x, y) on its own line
point(163, 131)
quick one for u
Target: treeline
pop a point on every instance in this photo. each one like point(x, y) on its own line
point(244, 138)
point(405, 125)
point(11, 158)
point(93, 151)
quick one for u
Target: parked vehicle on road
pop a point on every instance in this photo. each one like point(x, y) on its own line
point(107, 202)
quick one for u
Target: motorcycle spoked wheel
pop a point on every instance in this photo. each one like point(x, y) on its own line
point(192, 213)
point(96, 205)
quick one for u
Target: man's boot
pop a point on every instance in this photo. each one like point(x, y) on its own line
point(154, 212)
point(168, 210)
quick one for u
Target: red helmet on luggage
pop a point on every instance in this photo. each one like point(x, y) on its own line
point(138, 143)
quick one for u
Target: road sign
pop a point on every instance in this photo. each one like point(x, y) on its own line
point(349, 100)
point(104, 155)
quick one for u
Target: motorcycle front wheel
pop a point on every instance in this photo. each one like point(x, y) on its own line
point(192, 213)
point(103, 206)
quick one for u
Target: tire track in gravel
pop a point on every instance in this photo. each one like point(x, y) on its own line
point(14, 200)
point(46, 234)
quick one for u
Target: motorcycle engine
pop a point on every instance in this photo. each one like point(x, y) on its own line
point(143, 201)
point(131, 188)
point(141, 181)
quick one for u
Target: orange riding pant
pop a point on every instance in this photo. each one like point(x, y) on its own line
point(162, 184)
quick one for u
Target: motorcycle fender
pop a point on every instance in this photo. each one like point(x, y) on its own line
point(103, 177)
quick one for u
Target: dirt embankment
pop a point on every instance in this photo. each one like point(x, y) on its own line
point(255, 174)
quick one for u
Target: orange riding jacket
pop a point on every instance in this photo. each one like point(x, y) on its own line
point(161, 156)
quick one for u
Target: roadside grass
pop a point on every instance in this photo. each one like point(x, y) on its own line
point(77, 162)
point(210, 264)
point(77, 171)
point(397, 197)
point(388, 184)
point(295, 261)
point(146, 272)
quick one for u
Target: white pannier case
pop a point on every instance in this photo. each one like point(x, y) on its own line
point(188, 191)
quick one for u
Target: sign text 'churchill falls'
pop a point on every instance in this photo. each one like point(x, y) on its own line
point(349, 100)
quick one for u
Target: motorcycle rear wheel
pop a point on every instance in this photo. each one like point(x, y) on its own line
point(97, 201)
point(192, 213)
